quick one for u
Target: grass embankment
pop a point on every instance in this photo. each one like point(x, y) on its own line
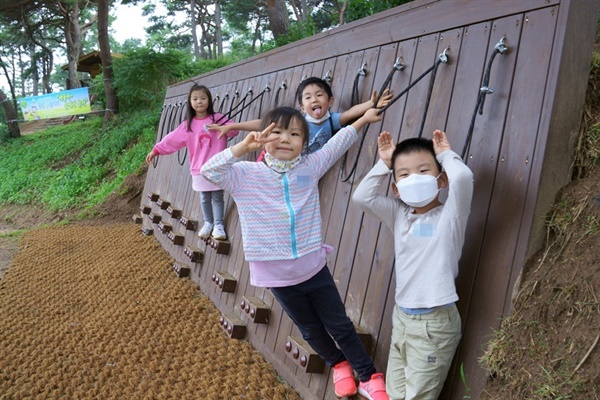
point(77, 165)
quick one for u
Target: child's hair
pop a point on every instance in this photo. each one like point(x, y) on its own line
point(313, 81)
point(413, 145)
point(283, 117)
point(191, 113)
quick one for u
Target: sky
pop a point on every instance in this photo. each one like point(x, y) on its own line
point(129, 23)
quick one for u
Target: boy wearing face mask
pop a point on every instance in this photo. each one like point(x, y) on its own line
point(429, 237)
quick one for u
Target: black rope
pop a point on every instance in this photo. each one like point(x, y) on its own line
point(232, 107)
point(396, 67)
point(402, 93)
point(185, 151)
point(442, 58)
point(483, 91)
point(282, 86)
point(161, 128)
point(223, 103)
point(354, 101)
point(260, 95)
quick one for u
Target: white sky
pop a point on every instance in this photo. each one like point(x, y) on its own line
point(129, 23)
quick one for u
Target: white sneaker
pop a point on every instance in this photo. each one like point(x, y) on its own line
point(218, 232)
point(207, 228)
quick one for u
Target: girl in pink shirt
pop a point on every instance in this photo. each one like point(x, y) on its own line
point(202, 144)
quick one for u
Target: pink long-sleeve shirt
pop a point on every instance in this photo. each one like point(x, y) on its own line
point(201, 143)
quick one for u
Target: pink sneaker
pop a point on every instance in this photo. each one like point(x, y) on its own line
point(343, 380)
point(373, 389)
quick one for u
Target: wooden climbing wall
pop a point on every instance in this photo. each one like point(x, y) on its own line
point(520, 154)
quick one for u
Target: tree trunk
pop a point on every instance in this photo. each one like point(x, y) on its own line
point(256, 34)
point(11, 115)
point(279, 21)
point(193, 20)
point(74, 36)
point(218, 32)
point(342, 10)
point(35, 73)
point(73, 40)
point(112, 103)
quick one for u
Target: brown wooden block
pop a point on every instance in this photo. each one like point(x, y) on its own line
point(146, 230)
point(165, 227)
point(221, 246)
point(194, 254)
point(182, 270)
point(155, 218)
point(145, 209)
point(256, 309)
point(174, 212)
point(137, 218)
point(233, 326)
point(163, 204)
point(190, 224)
point(153, 196)
point(225, 282)
point(300, 352)
point(176, 238)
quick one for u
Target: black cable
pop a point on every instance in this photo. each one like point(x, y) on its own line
point(442, 58)
point(282, 86)
point(161, 127)
point(181, 115)
point(484, 90)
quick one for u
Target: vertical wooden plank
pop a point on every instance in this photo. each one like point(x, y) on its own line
point(510, 186)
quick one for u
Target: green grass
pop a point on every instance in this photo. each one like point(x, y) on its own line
point(77, 165)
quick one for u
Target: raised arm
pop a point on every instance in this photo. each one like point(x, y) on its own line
point(358, 110)
point(253, 141)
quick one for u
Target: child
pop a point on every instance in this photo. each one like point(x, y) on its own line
point(315, 98)
point(202, 144)
point(278, 207)
point(429, 237)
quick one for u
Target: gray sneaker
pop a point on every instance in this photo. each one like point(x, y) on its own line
point(207, 228)
point(218, 232)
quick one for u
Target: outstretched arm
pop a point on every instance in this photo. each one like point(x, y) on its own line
point(358, 110)
point(253, 125)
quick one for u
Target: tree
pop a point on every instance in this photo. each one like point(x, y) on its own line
point(74, 32)
point(112, 103)
point(279, 20)
point(11, 115)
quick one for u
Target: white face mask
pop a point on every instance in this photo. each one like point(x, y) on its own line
point(418, 190)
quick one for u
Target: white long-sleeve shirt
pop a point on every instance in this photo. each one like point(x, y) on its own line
point(427, 246)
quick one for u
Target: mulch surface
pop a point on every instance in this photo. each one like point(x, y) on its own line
point(96, 312)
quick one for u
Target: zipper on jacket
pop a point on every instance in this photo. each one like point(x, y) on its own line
point(288, 202)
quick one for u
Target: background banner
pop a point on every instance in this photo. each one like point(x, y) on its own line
point(52, 105)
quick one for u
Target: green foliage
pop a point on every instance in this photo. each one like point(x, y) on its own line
point(77, 165)
point(297, 31)
point(358, 9)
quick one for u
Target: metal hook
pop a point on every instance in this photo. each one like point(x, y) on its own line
point(251, 90)
point(486, 90)
point(500, 46)
point(398, 66)
point(327, 77)
point(303, 78)
point(283, 84)
point(267, 87)
point(363, 70)
point(443, 57)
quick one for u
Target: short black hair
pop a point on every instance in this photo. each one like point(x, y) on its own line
point(413, 145)
point(283, 116)
point(313, 80)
